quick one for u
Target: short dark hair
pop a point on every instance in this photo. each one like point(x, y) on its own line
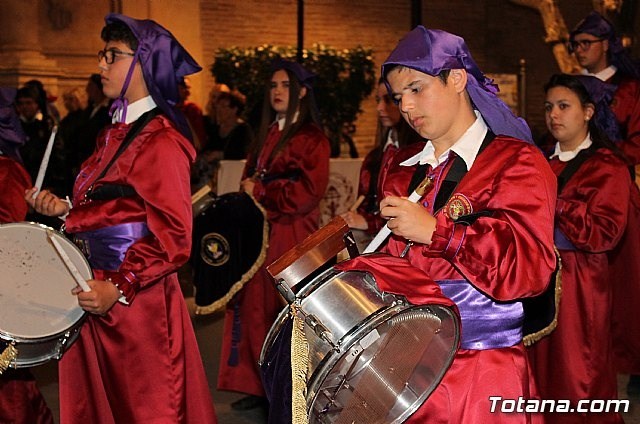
point(119, 31)
point(28, 92)
point(236, 100)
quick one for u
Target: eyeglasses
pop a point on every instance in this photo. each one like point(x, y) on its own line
point(582, 44)
point(109, 55)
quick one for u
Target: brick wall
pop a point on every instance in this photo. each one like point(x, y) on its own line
point(498, 32)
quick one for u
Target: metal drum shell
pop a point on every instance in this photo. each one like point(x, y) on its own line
point(327, 298)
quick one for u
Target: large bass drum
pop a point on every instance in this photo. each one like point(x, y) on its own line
point(374, 356)
point(39, 316)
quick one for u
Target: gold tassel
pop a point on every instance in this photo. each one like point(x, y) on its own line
point(299, 369)
point(7, 357)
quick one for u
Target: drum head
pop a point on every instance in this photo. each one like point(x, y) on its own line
point(35, 295)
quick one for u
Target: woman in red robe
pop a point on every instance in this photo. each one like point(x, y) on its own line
point(20, 399)
point(287, 172)
point(393, 133)
point(575, 361)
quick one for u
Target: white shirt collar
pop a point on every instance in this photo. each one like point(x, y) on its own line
point(466, 147)
point(281, 120)
point(390, 141)
point(603, 75)
point(135, 110)
point(566, 156)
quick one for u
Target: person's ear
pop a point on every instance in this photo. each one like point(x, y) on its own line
point(458, 77)
point(303, 92)
point(589, 110)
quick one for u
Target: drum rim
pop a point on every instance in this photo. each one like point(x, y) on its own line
point(9, 337)
point(368, 325)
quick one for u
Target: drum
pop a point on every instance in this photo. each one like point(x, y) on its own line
point(230, 239)
point(38, 313)
point(374, 356)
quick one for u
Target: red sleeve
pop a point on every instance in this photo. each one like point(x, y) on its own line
point(370, 203)
point(626, 107)
point(592, 210)
point(160, 176)
point(307, 153)
point(14, 180)
point(507, 255)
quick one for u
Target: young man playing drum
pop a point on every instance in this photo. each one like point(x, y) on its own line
point(136, 359)
point(488, 242)
point(20, 399)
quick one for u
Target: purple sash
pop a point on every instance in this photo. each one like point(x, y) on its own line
point(486, 324)
point(561, 241)
point(105, 247)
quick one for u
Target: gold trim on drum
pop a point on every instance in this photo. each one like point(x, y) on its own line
point(8, 357)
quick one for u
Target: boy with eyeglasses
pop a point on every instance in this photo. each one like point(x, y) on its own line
point(136, 359)
point(600, 52)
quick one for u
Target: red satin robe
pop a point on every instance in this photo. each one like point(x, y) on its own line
point(575, 361)
point(293, 213)
point(139, 363)
point(20, 400)
point(626, 295)
point(507, 256)
point(626, 107)
point(372, 202)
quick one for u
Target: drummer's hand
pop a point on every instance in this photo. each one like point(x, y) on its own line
point(407, 219)
point(101, 298)
point(46, 202)
point(247, 185)
point(355, 220)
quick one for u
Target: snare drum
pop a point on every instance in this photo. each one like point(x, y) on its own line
point(38, 313)
point(374, 357)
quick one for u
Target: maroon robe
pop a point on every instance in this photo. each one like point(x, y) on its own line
point(494, 255)
point(369, 188)
point(20, 400)
point(626, 107)
point(575, 361)
point(292, 206)
point(625, 271)
point(139, 363)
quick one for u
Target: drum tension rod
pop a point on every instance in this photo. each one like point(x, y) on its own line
point(285, 291)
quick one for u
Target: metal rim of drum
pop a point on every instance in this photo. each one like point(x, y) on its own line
point(51, 345)
point(351, 338)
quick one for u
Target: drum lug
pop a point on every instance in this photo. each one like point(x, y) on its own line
point(320, 330)
point(285, 291)
point(61, 346)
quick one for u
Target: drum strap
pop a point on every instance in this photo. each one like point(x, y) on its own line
point(457, 171)
point(114, 191)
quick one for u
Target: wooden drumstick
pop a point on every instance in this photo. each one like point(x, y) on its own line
point(68, 263)
point(357, 203)
point(45, 161)
point(385, 231)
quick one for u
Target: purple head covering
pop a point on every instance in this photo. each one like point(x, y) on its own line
point(596, 25)
point(432, 51)
point(163, 61)
point(303, 75)
point(601, 95)
point(11, 134)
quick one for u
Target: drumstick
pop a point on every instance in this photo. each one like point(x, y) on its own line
point(45, 161)
point(357, 203)
point(385, 231)
point(67, 261)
